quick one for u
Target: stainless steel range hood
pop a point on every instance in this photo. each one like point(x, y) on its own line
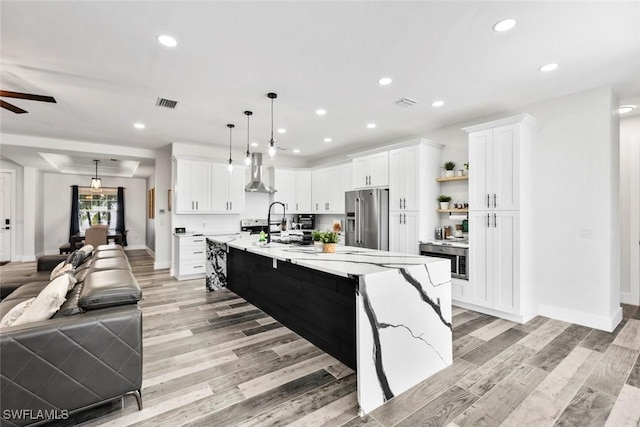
point(257, 185)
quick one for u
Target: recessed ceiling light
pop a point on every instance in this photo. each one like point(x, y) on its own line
point(437, 103)
point(384, 81)
point(328, 140)
point(504, 25)
point(321, 112)
point(254, 144)
point(168, 41)
point(281, 130)
point(296, 151)
point(624, 109)
point(371, 125)
point(138, 125)
point(548, 67)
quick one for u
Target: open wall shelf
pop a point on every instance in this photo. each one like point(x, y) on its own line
point(452, 178)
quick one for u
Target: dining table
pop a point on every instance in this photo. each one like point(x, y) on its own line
point(112, 236)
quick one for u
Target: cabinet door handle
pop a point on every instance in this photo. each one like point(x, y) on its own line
point(192, 208)
point(316, 206)
point(199, 252)
point(230, 206)
point(495, 220)
point(197, 266)
point(404, 202)
point(488, 221)
point(227, 206)
point(495, 203)
point(400, 203)
point(197, 205)
point(296, 206)
point(488, 201)
point(400, 219)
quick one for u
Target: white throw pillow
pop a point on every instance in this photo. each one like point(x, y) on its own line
point(66, 269)
point(55, 272)
point(15, 312)
point(47, 302)
point(86, 250)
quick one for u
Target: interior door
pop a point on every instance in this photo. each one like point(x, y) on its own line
point(5, 217)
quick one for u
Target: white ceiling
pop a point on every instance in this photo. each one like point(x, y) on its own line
point(102, 63)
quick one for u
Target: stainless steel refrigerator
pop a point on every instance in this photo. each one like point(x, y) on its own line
point(367, 218)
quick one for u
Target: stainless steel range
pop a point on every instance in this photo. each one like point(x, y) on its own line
point(457, 252)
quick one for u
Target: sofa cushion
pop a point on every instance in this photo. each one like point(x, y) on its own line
point(119, 263)
point(48, 301)
point(13, 314)
point(109, 253)
point(109, 288)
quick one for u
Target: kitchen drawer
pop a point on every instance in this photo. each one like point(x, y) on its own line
point(193, 267)
point(192, 254)
point(459, 289)
point(192, 241)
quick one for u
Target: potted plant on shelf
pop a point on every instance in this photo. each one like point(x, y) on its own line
point(316, 236)
point(444, 201)
point(329, 240)
point(466, 168)
point(449, 168)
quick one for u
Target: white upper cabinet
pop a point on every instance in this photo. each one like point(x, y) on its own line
point(193, 186)
point(303, 191)
point(294, 189)
point(371, 170)
point(227, 189)
point(404, 178)
point(328, 186)
point(494, 162)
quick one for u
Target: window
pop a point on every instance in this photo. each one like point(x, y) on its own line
point(97, 208)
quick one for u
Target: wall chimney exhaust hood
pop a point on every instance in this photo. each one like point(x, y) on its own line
point(257, 185)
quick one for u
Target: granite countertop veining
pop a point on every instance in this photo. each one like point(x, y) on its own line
point(347, 261)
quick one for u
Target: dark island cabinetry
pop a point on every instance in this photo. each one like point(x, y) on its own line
point(318, 306)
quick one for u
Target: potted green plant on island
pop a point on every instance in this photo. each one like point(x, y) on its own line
point(329, 241)
point(449, 169)
point(444, 201)
point(316, 236)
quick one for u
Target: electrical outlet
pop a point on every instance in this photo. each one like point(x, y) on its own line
point(585, 233)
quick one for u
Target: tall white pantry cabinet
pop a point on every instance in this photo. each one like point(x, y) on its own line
point(497, 175)
point(412, 194)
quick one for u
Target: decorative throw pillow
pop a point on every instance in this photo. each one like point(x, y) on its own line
point(15, 312)
point(56, 271)
point(86, 250)
point(66, 269)
point(47, 302)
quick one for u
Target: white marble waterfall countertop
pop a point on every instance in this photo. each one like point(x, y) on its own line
point(348, 261)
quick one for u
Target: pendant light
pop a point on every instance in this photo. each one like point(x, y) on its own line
point(247, 157)
point(96, 183)
point(272, 142)
point(230, 126)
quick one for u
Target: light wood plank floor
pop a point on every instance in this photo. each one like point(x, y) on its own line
point(212, 359)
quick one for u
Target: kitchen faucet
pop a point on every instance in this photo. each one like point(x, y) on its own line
point(269, 219)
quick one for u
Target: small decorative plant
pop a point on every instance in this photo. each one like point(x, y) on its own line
point(329, 241)
point(316, 235)
point(329, 237)
point(444, 201)
point(466, 166)
point(449, 168)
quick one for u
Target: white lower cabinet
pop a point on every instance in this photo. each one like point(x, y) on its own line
point(190, 257)
point(494, 260)
point(403, 232)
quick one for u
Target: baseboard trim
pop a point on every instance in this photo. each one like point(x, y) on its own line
point(491, 312)
point(589, 320)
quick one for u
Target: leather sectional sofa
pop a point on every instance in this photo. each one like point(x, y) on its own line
point(88, 353)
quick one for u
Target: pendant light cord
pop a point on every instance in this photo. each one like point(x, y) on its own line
point(230, 126)
point(272, 120)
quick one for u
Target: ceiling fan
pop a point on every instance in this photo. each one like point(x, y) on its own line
point(20, 95)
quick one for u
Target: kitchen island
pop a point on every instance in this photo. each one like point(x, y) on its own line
point(386, 315)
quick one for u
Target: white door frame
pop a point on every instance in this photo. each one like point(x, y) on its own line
point(12, 185)
point(634, 241)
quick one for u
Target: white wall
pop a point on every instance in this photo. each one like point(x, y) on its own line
point(39, 219)
point(630, 209)
point(57, 208)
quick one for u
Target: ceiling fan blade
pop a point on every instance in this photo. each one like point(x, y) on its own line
point(11, 107)
point(29, 96)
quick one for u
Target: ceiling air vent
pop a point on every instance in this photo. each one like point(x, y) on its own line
point(405, 102)
point(166, 103)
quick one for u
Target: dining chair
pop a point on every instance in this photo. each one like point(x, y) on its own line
point(95, 236)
